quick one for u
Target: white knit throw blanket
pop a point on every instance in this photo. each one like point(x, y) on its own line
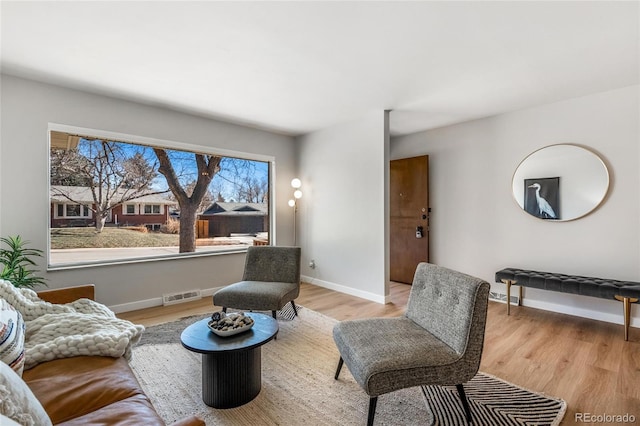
point(83, 327)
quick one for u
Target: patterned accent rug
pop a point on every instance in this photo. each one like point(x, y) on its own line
point(287, 312)
point(494, 402)
point(298, 385)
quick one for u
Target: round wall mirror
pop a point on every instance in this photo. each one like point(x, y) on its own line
point(560, 182)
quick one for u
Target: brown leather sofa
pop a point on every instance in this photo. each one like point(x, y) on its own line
point(91, 390)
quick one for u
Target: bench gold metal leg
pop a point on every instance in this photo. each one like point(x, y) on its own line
point(509, 283)
point(520, 298)
point(626, 306)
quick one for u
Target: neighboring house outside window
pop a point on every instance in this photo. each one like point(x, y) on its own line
point(151, 211)
point(226, 219)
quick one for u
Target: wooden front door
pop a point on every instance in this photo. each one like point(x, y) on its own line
point(409, 216)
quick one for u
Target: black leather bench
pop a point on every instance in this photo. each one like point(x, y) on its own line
point(625, 291)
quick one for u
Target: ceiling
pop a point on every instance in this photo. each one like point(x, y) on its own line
point(297, 67)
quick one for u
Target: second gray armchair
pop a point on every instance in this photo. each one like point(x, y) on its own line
point(271, 280)
point(437, 342)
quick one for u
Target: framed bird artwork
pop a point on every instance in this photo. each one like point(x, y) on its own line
point(542, 197)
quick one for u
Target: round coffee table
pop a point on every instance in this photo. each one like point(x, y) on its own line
point(231, 366)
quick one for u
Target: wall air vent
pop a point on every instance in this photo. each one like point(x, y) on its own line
point(502, 298)
point(185, 296)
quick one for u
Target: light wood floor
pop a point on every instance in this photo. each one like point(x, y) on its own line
point(585, 362)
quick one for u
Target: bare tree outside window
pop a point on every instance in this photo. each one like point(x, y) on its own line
point(248, 185)
point(206, 168)
point(207, 200)
point(113, 173)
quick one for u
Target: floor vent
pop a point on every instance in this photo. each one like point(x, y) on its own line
point(185, 296)
point(502, 298)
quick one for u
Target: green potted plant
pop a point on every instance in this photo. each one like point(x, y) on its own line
point(16, 261)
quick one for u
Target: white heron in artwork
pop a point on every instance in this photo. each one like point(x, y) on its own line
point(543, 205)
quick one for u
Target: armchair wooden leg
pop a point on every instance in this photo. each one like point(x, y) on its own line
point(339, 368)
point(372, 410)
point(224, 309)
point(465, 402)
point(295, 310)
point(273, 314)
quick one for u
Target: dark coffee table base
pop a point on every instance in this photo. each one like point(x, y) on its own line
point(230, 379)
point(231, 366)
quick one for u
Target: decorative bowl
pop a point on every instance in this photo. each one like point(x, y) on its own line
point(229, 324)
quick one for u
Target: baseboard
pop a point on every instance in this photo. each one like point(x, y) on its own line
point(153, 302)
point(537, 304)
point(138, 304)
point(584, 313)
point(208, 292)
point(347, 290)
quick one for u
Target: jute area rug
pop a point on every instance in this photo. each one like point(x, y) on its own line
point(298, 387)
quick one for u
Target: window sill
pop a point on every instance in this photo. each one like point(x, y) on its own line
point(91, 263)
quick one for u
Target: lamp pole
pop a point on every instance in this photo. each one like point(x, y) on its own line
point(295, 232)
point(297, 194)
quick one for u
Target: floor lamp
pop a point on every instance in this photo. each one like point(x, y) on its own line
point(297, 194)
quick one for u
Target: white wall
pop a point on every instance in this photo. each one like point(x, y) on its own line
point(28, 107)
point(477, 227)
point(341, 216)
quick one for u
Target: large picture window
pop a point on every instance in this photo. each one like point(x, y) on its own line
point(150, 199)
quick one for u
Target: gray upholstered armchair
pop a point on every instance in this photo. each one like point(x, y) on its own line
point(271, 279)
point(437, 342)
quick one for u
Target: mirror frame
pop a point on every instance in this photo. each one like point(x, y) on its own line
point(591, 210)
